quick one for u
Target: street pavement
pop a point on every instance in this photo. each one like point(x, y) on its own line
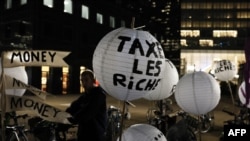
point(138, 113)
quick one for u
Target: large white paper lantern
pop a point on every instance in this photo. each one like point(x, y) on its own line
point(142, 132)
point(197, 93)
point(18, 73)
point(128, 63)
point(167, 86)
point(242, 94)
point(225, 70)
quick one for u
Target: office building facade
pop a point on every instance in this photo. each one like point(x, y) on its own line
point(77, 26)
point(211, 31)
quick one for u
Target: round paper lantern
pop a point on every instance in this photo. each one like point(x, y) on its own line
point(17, 73)
point(128, 63)
point(197, 93)
point(142, 132)
point(225, 70)
point(242, 94)
point(167, 85)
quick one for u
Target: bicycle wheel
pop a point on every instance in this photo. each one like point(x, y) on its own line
point(191, 135)
point(112, 131)
point(206, 122)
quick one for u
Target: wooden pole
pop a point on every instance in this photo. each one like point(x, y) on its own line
point(121, 128)
point(232, 97)
point(3, 99)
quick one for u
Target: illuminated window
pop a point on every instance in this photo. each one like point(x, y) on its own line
point(45, 73)
point(190, 33)
point(112, 21)
point(243, 15)
point(48, 3)
point(206, 43)
point(65, 72)
point(85, 12)
point(99, 18)
point(123, 24)
point(184, 42)
point(68, 6)
point(23, 2)
point(225, 33)
point(8, 4)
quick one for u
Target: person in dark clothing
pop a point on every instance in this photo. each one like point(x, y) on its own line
point(89, 110)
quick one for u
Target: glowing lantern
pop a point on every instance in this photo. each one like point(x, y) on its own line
point(197, 93)
point(225, 70)
point(142, 132)
point(167, 84)
point(18, 73)
point(128, 63)
point(242, 94)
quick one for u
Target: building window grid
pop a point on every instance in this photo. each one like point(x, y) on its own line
point(229, 5)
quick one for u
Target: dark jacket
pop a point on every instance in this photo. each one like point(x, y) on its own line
point(89, 112)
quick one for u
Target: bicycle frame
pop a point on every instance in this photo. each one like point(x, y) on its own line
point(16, 133)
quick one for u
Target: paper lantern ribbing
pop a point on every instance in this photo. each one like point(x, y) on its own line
point(242, 94)
point(128, 63)
point(142, 132)
point(18, 73)
point(197, 93)
point(167, 84)
point(225, 70)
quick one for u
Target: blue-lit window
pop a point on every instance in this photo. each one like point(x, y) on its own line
point(23, 2)
point(85, 12)
point(8, 4)
point(123, 24)
point(68, 6)
point(48, 3)
point(99, 18)
point(112, 21)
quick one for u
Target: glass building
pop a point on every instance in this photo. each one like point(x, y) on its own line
point(213, 30)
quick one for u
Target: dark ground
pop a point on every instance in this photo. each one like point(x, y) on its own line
point(138, 113)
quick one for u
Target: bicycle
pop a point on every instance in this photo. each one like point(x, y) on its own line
point(159, 115)
point(113, 123)
point(15, 131)
point(202, 123)
point(241, 118)
point(49, 131)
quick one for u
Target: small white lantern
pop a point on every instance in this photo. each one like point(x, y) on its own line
point(17, 73)
point(128, 63)
point(142, 132)
point(167, 86)
point(197, 93)
point(242, 94)
point(225, 70)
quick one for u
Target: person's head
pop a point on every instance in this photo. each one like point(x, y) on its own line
point(88, 79)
